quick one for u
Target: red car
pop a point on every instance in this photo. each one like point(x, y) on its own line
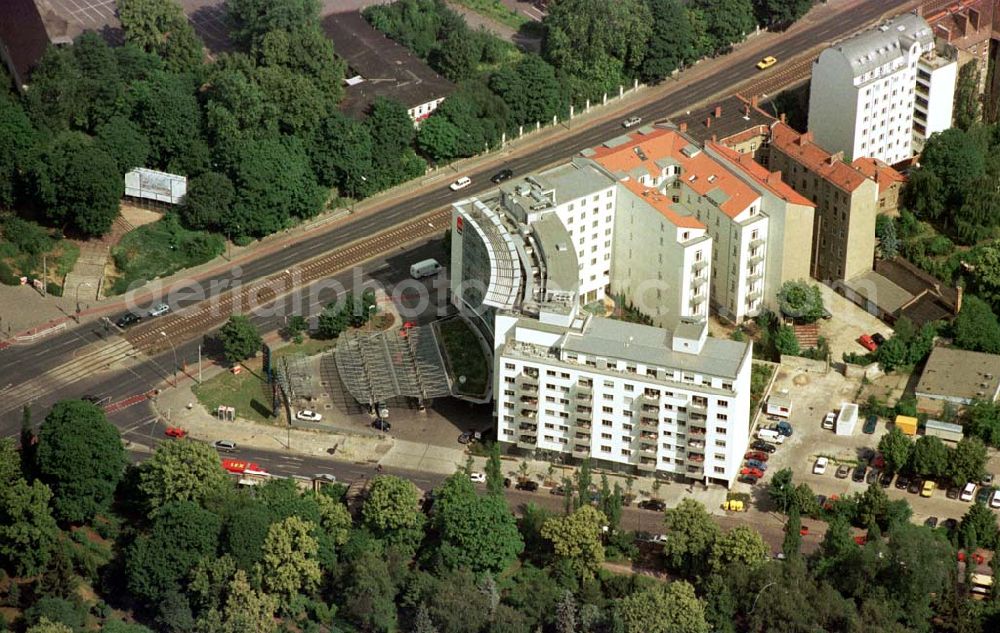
point(868, 343)
point(753, 472)
point(760, 456)
point(804, 530)
point(861, 540)
point(175, 431)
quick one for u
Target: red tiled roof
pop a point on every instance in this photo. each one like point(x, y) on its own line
point(769, 179)
point(803, 150)
point(879, 171)
point(699, 171)
point(662, 203)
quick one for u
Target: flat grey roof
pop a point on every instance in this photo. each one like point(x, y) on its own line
point(872, 48)
point(575, 179)
point(879, 290)
point(633, 342)
point(389, 69)
point(561, 266)
point(956, 373)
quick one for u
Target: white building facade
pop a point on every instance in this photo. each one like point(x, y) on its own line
point(863, 92)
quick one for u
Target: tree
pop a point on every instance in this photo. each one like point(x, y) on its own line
point(792, 544)
point(341, 153)
point(967, 461)
point(181, 471)
point(781, 491)
point(391, 508)
point(251, 20)
point(240, 339)
point(976, 327)
point(77, 184)
point(576, 538)
point(478, 533)
point(579, 33)
point(439, 139)
point(727, 21)
point(422, 622)
point(967, 105)
point(17, 138)
point(47, 626)
point(458, 53)
point(530, 89)
point(872, 506)
point(801, 301)
point(978, 526)
point(673, 41)
point(896, 448)
point(982, 420)
point(289, 560)
point(80, 457)
point(122, 139)
point(494, 471)
point(27, 530)
point(949, 165)
point(691, 535)
point(785, 341)
point(156, 563)
point(165, 108)
point(160, 27)
point(930, 457)
point(246, 609)
point(887, 236)
point(369, 597)
point(207, 205)
point(671, 608)
point(583, 483)
point(780, 13)
point(740, 545)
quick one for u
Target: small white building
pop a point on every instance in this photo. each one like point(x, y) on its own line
point(779, 405)
point(847, 419)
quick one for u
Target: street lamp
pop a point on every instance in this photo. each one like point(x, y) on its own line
point(164, 335)
point(82, 283)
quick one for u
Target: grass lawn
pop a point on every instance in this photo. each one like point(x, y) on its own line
point(495, 10)
point(465, 357)
point(309, 347)
point(22, 253)
point(161, 249)
point(246, 392)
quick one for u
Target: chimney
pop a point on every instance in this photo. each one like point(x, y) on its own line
point(958, 299)
point(975, 18)
point(683, 127)
point(718, 111)
point(708, 122)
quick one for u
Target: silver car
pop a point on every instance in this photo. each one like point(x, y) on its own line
point(159, 310)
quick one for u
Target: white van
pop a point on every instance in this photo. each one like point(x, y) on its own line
point(425, 268)
point(968, 491)
point(769, 435)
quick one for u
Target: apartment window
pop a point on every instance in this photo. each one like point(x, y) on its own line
point(606, 423)
point(626, 427)
point(723, 417)
point(720, 443)
point(509, 380)
point(626, 452)
point(508, 392)
point(719, 470)
point(605, 436)
point(549, 425)
point(605, 449)
point(508, 365)
point(720, 456)
point(607, 410)
point(508, 431)
point(722, 403)
point(629, 387)
point(608, 396)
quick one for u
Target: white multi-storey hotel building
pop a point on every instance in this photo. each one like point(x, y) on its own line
point(880, 92)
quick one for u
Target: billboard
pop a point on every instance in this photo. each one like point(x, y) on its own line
point(155, 185)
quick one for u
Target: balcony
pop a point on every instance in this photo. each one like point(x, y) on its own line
point(527, 441)
point(528, 429)
point(582, 438)
point(582, 386)
point(755, 259)
point(695, 469)
point(700, 265)
point(529, 388)
point(646, 464)
point(646, 435)
point(583, 425)
point(696, 445)
point(697, 300)
point(527, 416)
point(756, 243)
point(754, 273)
point(580, 449)
point(647, 449)
point(696, 430)
point(753, 295)
point(695, 457)
point(584, 413)
point(697, 282)
point(524, 380)
point(700, 405)
point(650, 408)
point(529, 403)
point(649, 423)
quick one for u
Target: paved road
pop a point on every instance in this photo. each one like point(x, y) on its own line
point(21, 363)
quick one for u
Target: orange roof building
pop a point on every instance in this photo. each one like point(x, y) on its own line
point(847, 200)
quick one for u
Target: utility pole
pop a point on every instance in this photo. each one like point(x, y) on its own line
point(45, 276)
point(199, 364)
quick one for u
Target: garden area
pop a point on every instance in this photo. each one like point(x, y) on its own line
point(467, 363)
point(27, 248)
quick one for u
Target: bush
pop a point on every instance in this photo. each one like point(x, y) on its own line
point(54, 289)
point(7, 276)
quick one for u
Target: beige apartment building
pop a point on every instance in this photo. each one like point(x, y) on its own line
point(846, 203)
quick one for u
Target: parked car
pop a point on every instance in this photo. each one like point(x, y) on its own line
point(867, 342)
point(821, 500)
point(878, 338)
point(560, 491)
point(381, 425)
point(502, 175)
point(175, 432)
point(952, 492)
point(902, 482)
point(995, 499)
point(327, 477)
point(226, 446)
point(784, 428)
point(877, 461)
point(870, 423)
point(829, 420)
point(968, 492)
point(983, 494)
point(659, 538)
point(760, 456)
point(819, 467)
point(950, 524)
point(871, 477)
point(843, 471)
point(159, 310)
point(527, 485)
point(461, 183)
point(755, 472)
point(748, 479)
point(859, 473)
point(931, 522)
point(767, 62)
point(127, 319)
point(477, 478)
point(465, 438)
point(915, 486)
point(308, 415)
point(761, 445)
point(987, 480)
point(885, 479)
point(927, 490)
point(653, 504)
point(753, 463)
point(632, 121)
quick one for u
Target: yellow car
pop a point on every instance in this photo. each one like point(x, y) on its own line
point(767, 62)
point(928, 489)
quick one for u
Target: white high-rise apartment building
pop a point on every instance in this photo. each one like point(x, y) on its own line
point(876, 93)
point(631, 397)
